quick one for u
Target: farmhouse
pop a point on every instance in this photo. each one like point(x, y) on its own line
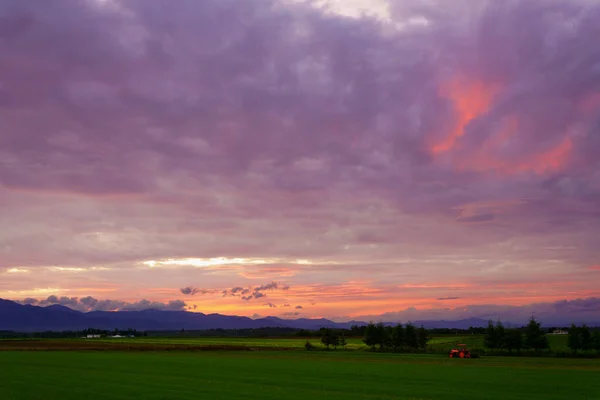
point(93, 336)
point(559, 332)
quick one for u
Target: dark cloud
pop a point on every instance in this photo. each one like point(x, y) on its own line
point(30, 300)
point(255, 292)
point(63, 301)
point(188, 290)
point(290, 314)
point(254, 295)
point(447, 298)
point(92, 304)
point(271, 286)
point(563, 312)
point(192, 291)
point(298, 307)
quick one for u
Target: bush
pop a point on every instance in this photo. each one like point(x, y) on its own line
point(309, 346)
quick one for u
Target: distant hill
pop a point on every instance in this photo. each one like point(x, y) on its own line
point(28, 318)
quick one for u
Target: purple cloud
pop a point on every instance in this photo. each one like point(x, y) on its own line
point(562, 312)
point(89, 303)
point(437, 141)
point(192, 291)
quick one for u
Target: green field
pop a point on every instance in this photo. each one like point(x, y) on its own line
point(65, 375)
point(442, 343)
point(352, 343)
point(437, 344)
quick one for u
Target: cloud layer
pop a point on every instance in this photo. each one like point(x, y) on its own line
point(90, 303)
point(429, 151)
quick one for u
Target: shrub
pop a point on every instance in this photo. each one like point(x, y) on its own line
point(309, 346)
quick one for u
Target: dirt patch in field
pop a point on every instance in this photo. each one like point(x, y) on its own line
point(66, 345)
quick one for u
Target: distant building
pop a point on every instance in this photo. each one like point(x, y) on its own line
point(559, 332)
point(117, 336)
point(93, 336)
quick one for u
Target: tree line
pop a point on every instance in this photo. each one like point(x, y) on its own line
point(581, 338)
point(379, 337)
point(397, 338)
point(532, 336)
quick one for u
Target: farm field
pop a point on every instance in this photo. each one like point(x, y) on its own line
point(439, 343)
point(169, 343)
point(293, 342)
point(41, 375)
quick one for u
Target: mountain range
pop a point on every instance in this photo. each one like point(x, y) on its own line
point(29, 318)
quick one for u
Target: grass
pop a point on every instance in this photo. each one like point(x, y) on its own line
point(39, 375)
point(161, 342)
point(440, 342)
point(437, 344)
point(254, 342)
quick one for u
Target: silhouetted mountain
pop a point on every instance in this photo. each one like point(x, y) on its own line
point(28, 318)
point(460, 324)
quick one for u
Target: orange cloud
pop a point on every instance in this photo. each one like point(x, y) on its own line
point(552, 160)
point(471, 99)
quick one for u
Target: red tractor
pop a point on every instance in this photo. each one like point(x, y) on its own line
point(461, 351)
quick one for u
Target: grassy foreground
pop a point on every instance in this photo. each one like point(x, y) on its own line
point(33, 375)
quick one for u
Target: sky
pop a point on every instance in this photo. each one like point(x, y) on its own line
point(343, 159)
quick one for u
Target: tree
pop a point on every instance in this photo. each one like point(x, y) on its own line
point(422, 338)
point(398, 337)
point(342, 341)
point(330, 338)
point(370, 336)
point(489, 340)
point(586, 338)
point(535, 338)
point(500, 335)
point(596, 341)
point(412, 339)
point(513, 340)
point(574, 339)
point(381, 333)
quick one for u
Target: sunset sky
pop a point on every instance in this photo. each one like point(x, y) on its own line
point(344, 159)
